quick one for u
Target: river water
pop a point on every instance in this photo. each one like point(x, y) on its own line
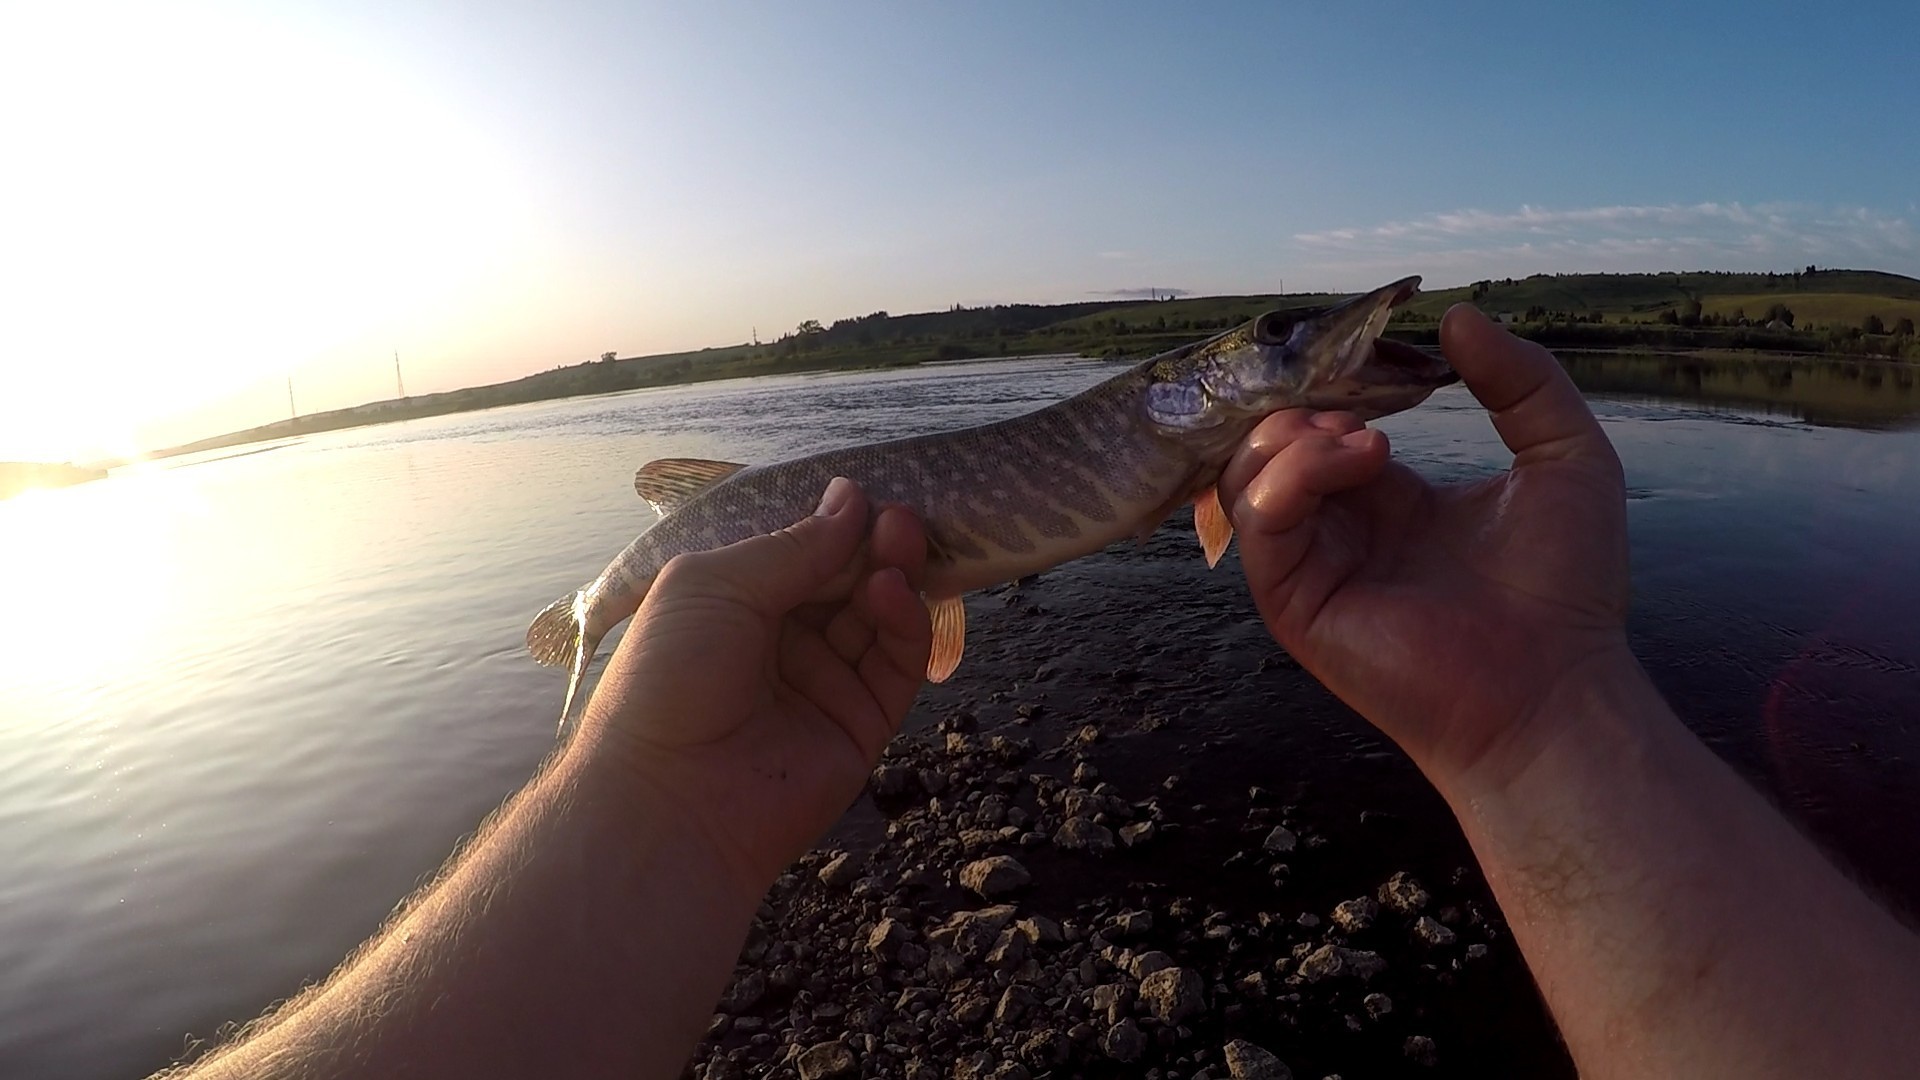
point(249, 699)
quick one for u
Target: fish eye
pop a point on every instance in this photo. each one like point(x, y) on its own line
point(1272, 328)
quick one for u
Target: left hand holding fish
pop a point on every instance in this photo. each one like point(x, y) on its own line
point(760, 681)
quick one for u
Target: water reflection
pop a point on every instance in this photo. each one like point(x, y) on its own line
point(1828, 391)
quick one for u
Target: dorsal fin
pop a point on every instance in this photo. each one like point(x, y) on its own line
point(668, 482)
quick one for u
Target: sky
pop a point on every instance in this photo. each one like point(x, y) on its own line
point(201, 201)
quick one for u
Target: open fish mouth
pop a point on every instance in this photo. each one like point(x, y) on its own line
point(1363, 355)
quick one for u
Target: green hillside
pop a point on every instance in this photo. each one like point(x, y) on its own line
point(1833, 312)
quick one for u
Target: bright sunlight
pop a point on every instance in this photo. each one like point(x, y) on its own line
point(229, 199)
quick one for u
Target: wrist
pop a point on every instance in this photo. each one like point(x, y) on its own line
point(1600, 702)
point(621, 788)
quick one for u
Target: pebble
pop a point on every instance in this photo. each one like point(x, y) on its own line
point(1331, 961)
point(1353, 916)
point(1014, 1003)
point(1280, 841)
point(839, 872)
point(1130, 924)
point(1148, 962)
point(1084, 834)
point(1137, 833)
point(1403, 894)
point(887, 937)
point(825, 1059)
point(890, 781)
point(1432, 932)
point(1245, 1061)
point(1124, 1042)
point(1173, 993)
point(1377, 1005)
point(1420, 1050)
point(994, 876)
point(1476, 952)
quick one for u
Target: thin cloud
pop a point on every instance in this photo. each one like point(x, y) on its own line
point(1708, 235)
point(1144, 292)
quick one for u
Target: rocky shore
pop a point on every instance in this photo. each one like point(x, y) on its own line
point(1008, 925)
point(1133, 838)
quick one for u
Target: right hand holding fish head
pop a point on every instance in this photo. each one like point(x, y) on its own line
point(1452, 617)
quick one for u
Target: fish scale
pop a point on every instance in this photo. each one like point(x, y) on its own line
point(1004, 500)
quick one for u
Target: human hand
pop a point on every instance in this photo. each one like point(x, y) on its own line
point(759, 682)
point(1451, 617)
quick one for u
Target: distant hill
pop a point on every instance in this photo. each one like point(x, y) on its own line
point(1811, 311)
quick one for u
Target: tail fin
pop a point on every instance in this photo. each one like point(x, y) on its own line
point(558, 636)
point(556, 631)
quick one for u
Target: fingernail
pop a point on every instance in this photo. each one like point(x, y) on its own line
point(839, 492)
point(1356, 439)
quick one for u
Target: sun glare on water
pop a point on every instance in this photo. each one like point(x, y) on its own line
point(85, 578)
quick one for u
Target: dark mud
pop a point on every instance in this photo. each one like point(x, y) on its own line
point(1132, 689)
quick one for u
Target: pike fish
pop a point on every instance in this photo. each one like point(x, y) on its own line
point(1004, 500)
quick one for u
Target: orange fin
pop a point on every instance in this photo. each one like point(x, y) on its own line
point(949, 637)
point(669, 482)
point(1210, 521)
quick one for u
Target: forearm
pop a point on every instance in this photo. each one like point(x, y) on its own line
point(585, 932)
point(1676, 923)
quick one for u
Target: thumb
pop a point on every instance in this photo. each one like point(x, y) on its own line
point(779, 571)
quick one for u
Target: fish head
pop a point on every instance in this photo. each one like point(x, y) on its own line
point(1330, 357)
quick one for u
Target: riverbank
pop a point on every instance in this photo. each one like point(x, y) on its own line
point(1100, 871)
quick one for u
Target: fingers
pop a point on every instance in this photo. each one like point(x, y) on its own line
point(898, 541)
point(777, 572)
point(896, 665)
point(1293, 459)
point(1537, 410)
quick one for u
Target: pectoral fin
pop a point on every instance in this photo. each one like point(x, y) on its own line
point(669, 482)
point(949, 637)
point(1210, 521)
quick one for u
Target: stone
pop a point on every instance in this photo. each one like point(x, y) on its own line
point(745, 993)
point(1403, 894)
point(892, 781)
point(1332, 961)
point(973, 1010)
point(1137, 833)
point(1149, 962)
point(1124, 1042)
point(1008, 950)
point(887, 937)
point(975, 1066)
point(1130, 924)
point(1377, 1005)
point(839, 872)
point(1353, 916)
point(1040, 930)
point(995, 876)
point(1245, 1061)
point(1280, 841)
point(1173, 993)
point(1432, 932)
point(1045, 1049)
point(1014, 1003)
point(825, 1059)
point(1084, 834)
point(1420, 1050)
point(1476, 952)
